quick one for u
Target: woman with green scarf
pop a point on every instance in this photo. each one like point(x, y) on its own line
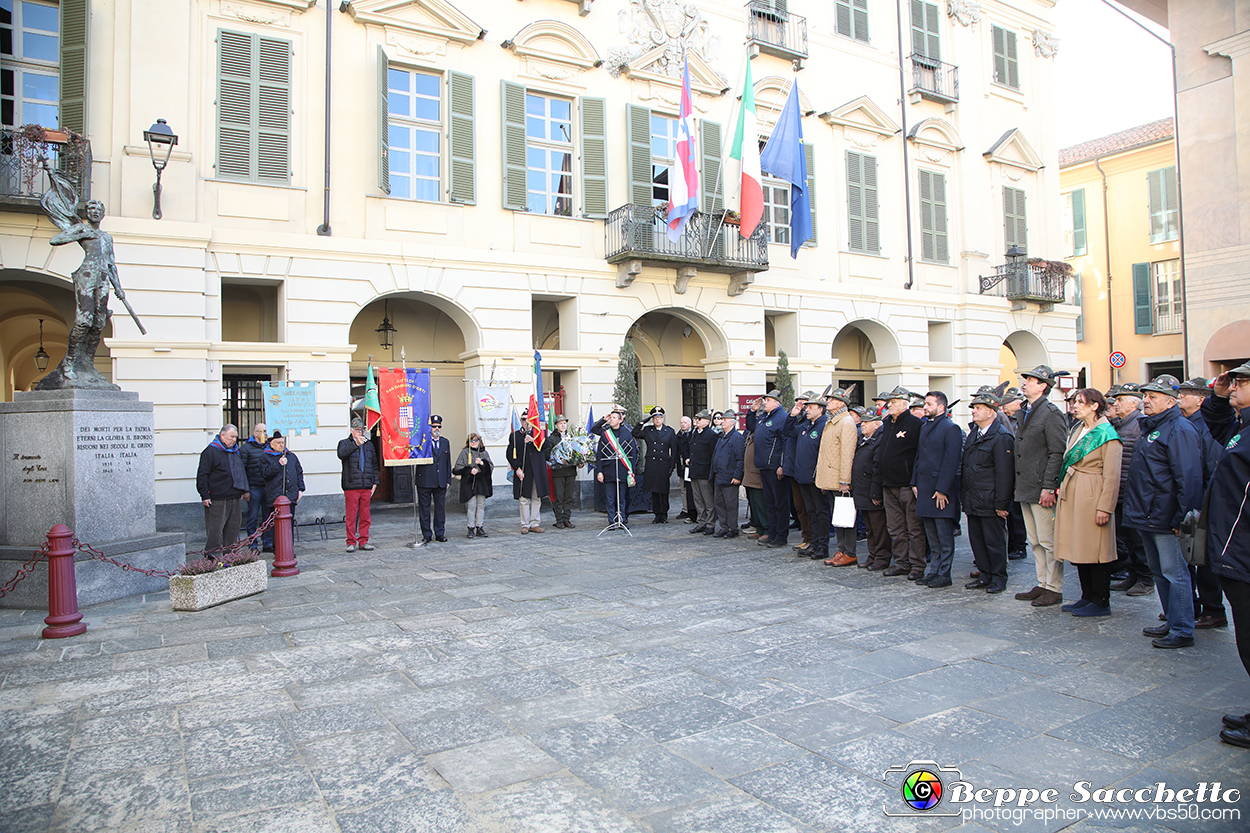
point(1089, 484)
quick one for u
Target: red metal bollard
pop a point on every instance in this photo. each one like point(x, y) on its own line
point(63, 617)
point(283, 543)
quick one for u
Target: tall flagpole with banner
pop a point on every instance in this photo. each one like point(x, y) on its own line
point(783, 157)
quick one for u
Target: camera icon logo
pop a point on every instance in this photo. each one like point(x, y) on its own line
point(923, 786)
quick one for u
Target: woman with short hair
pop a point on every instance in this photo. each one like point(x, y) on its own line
point(474, 467)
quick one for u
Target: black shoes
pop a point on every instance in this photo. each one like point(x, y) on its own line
point(1236, 721)
point(896, 571)
point(442, 539)
point(696, 528)
point(776, 545)
point(976, 585)
point(915, 575)
point(1173, 641)
point(1141, 589)
point(472, 533)
point(1018, 555)
point(996, 588)
point(733, 533)
point(718, 534)
point(481, 533)
point(1236, 737)
point(1123, 584)
point(939, 581)
point(1158, 630)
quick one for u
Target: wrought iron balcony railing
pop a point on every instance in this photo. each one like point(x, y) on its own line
point(934, 80)
point(23, 178)
point(1025, 282)
point(775, 31)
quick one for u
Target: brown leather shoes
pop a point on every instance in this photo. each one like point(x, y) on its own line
point(537, 529)
point(1206, 620)
point(1031, 594)
point(1047, 598)
point(841, 559)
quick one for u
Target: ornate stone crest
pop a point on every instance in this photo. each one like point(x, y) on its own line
point(967, 12)
point(663, 30)
point(1045, 44)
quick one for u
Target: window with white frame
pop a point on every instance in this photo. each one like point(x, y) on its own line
point(549, 154)
point(414, 103)
point(663, 154)
point(1167, 296)
point(29, 62)
point(776, 208)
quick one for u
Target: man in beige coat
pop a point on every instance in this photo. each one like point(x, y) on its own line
point(833, 468)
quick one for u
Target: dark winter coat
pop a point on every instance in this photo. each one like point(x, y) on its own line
point(938, 464)
point(862, 471)
point(1041, 440)
point(1129, 430)
point(1222, 418)
point(474, 484)
point(1210, 448)
point(769, 438)
point(988, 479)
point(702, 444)
point(360, 464)
point(607, 462)
point(272, 470)
point(805, 436)
point(221, 475)
point(683, 451)
point(435, 475)
point(1228, 515)
point(252, 453)
point(727, 458)
point(531, 461)
point(1165, 480)
point(896, 453)
point(661, 456)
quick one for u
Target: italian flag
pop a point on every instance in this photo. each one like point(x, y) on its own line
point(746, 149)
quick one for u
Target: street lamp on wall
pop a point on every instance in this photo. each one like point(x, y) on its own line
point(159, 134)
point(41, 358)
point(386, 332)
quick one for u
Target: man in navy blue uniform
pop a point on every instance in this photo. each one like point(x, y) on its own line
point(806, 431)
point(1208, 599)
point(935, 484)
point(767, 428)
point(660, 460)
point(432, 480)
point(727, 467)
point(1164, 484)
point(988, 484)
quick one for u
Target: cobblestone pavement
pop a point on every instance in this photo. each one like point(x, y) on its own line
point(568, 682)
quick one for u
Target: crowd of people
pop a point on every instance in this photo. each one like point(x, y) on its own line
point(1144, 488)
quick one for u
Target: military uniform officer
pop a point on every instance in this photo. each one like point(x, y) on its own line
point(432, 480)
point(661, 458)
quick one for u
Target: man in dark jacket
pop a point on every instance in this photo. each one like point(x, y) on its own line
point(798, 509)
point(688, 512)
point(221, 481)
point(806, 432)
point(359, 481)
point(767, 421)
point(529, 475)
point(252, 450)
point(1228, 532)
point(1164, 484)
point(616, 460)
point(727, 465)
point(1138, 580)
point(1017, 536)
point(891, 485)
point(1209, 599)
point(563, 479)
point(935, 483)
point(658, 466)
point(432, 480)
point(862, 470)
point(986, 491)
point(283, 474)
point(1041, 441)
point(702, 445)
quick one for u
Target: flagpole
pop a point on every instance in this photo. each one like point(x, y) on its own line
point(720, 171)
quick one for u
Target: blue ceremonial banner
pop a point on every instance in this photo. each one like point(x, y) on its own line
point(784, 158)
point(419, 391)
point(404, 396)
point(290, 407)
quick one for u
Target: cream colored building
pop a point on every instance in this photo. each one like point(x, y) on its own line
point(1118, 196)
point(482, 158)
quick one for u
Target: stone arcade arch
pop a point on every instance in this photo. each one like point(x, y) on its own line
point(675, 347)
point(26, 297)
point(867, 353)
point(1022, 349)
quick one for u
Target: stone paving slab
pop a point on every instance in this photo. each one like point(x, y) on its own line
point(566, 682)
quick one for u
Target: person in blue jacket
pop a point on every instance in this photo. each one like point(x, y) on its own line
point(432, 481)
point(807, 430)
point(1228, 530)
point(1164, 484)
point(767, 428)
point(727, 466)
point(1209, 609)
point(935, 483)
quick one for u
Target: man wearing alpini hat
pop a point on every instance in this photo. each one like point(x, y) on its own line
point(769, 450)
point(1041, 440)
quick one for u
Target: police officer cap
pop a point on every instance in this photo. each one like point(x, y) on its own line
point(730, 414)
point(1196, 385)
point(1165, 383)
point(435, 419)
point(1041, 373)
point(358, 423)
point(1128, 389)
point(840, 395)
point(618, 409)
point(773, 394)
point(656, 411)
point(704, 414)
point(899, 392)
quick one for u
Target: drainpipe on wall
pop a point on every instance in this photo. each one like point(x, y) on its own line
point(1106, 236)
point(324, 228)
point(902, 101)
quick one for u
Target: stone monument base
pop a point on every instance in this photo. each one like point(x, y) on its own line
point(98, 581)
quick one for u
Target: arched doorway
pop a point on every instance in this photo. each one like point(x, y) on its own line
point(426, 335)
point(1227, 348)
point(673, 346)
point(24, 299)
point(1021, 350)
point(861, 348)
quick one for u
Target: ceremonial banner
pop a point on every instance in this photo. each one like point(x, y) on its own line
point(404, 396)
point(491, 406)
point(373, 410)
point(290, 407)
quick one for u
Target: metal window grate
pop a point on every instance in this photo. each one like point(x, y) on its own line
point(241, 402)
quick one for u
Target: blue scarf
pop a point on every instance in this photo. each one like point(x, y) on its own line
point(216, 443)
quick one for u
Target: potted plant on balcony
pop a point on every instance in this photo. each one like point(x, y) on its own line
point(208, 582)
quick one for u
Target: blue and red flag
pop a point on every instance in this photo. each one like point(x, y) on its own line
point(683, 178)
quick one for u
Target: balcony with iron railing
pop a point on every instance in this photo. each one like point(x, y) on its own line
point(771, 29)
point(23, 178)
point(1038, 280)
point(637, 235)
point(934, 80)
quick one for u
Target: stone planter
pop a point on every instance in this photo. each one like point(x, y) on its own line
point(209, 589)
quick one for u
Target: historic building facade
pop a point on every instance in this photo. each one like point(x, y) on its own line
point(483, 175)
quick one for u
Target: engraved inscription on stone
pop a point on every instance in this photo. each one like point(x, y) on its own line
point(33, 469)
point(105, 448)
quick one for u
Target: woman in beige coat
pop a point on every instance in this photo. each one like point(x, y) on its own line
point(1089, 484)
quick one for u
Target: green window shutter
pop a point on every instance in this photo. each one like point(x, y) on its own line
point(1006, 57)
point(73, 78)
point(809, 156)
point(236, 103)
point(933, 30)
point(1079, 300)
point(1015, 229)
point(462, 143)
point(639, 154)
point(514, 169)
point(842, 18)
point(1079, 244)
point(926, 215)
point(709, 145)
point(851, 19)
point(933, 240)
point(872, 219)
point(1143, 318)
point(1154, 182)
point(1013, 62)
point(925, 30)
point(273, 110)
point(384, 123)
point(855, 201)
point(1171, 205)
point(594, 158)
